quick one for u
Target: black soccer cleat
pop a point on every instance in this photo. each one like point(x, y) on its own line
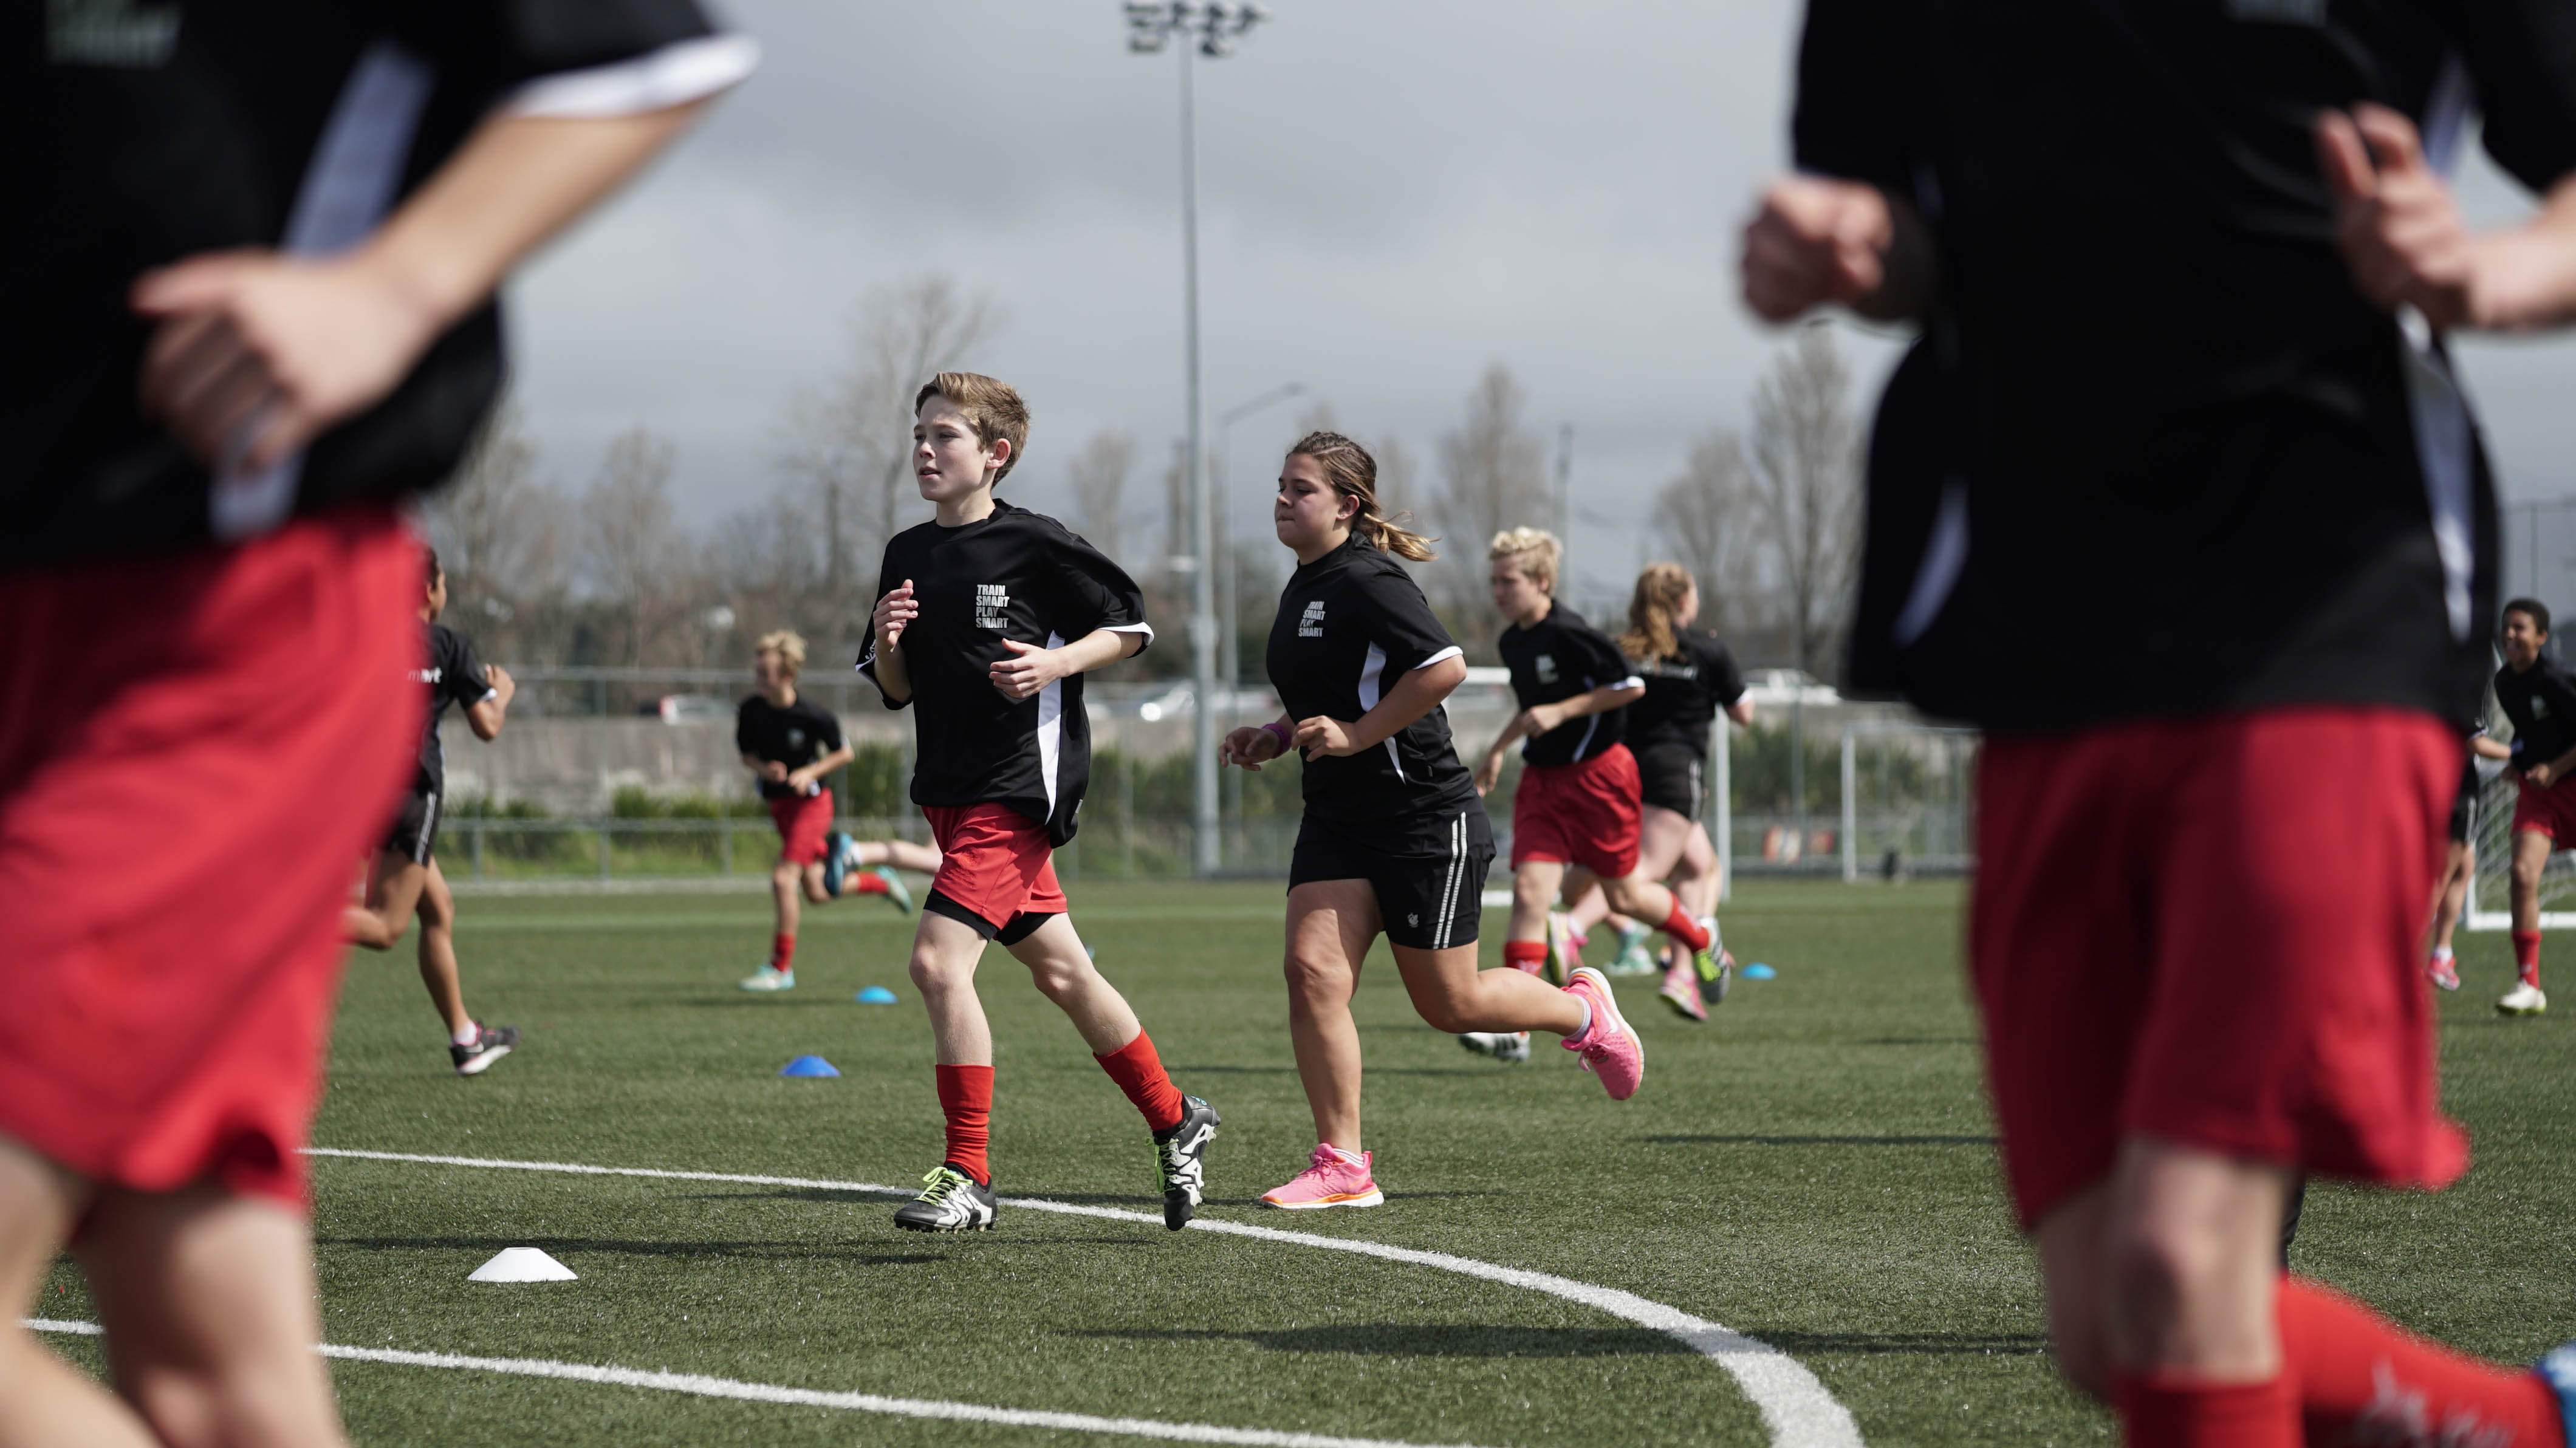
point(1180, 1159)
point(950, 1201)
point(491, 1043)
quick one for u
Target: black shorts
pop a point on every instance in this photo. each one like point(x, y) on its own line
point(1428, 900)
point(2461, 803)
point(1671, 776)
point(415, 831)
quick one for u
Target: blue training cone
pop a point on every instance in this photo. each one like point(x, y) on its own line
point(809, 1066)
point(1759, 971)
point(876, 995)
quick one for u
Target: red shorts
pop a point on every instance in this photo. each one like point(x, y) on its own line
point(1579, 814)
point(803, 820)
point(2207, 932)
point(2550, 812)
point(196, 749)
point(996, 870)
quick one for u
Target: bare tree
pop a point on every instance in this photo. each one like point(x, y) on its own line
point(1493, 471)
point(501, 534)
point(1099, 473)
point(849, 442)
point(1805, 463)
point(635, 558)
point(1707, 519)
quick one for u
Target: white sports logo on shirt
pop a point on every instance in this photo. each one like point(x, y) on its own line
point(1310, 625)
point(992, 605)
point(1546, 667)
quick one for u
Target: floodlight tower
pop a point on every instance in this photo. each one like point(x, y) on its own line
point(1209, 28)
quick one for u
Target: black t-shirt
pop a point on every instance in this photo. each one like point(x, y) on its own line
point(795, 736)
point(2157, 454)
point(2541, 702)
point(1015, 575)
point(1556, 658)
point(453, 675)
point(1350, 624)
point(141, 133)
point(1684, 691)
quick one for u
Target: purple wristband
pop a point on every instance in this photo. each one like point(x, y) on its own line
point(1281, 730)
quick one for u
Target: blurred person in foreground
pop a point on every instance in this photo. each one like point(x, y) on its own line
point(268, 238)
point(2178, 497)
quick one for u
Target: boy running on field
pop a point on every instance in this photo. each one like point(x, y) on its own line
point(988, 617)
point(2179, 499)
point(2538, 694)
point(1394, 840)
point(1575, 817)
point(405, 876)
point(790, 744)
point(2452, 900)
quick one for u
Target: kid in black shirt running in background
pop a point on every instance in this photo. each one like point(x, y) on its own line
point(987, 617)
point(1690, 677)
point(1394, 840)
point(791, 745)
point(287, 223)
point(2183, 271)
point(2538, 694)
point(1575, 817)
point(404, 876)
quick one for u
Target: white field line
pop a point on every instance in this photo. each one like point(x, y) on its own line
point(1794, 1406)
point(698, 1386)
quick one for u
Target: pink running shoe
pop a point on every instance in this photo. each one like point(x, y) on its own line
point(1681, 991)
point(1327, 1181)
point(2444, 973)
point(1610, 1050)
point(1564, 949)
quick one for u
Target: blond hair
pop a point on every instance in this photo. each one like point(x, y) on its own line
point(788, 644)
point(1534, 551)
point(1353, 474)
point(1650, 635)
point(992, 407)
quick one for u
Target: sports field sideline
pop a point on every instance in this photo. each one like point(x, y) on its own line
point(1814, 1170)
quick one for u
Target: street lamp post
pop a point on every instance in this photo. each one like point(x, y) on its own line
point(1150, 27)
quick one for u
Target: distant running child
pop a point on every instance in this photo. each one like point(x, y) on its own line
point(404, 878)
point(2538, 694)
point(1576, 816)
point(2452, 900)
point(1394, 840)
point(791, 744)
point(988, 616)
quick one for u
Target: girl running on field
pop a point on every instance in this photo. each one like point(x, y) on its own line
point(1690, 676)
point(1394, 840)
point(1575, 816)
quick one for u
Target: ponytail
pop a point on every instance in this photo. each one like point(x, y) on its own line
point(1650, 612)
point(1353, 474)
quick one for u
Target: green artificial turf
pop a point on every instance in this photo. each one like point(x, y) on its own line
point(1813, 1168)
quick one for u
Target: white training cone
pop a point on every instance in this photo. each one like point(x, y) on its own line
point(522, 1264)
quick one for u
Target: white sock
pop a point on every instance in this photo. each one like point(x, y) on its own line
point(2441, 955)
point(1351, 1157)
point(1586, 1028)
point(466, 1037)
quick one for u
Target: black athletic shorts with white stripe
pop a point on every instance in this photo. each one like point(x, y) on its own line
point(415, 831)
point(1669, 776)
point(1429, 901)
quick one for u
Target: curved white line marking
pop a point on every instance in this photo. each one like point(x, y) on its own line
point(698, 1386)
point(1794, 1406)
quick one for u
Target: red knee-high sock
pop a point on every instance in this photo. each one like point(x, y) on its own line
point(2526, 955)
point(2363, 1379)
point(863, 882)
point(782, 951)
point(1680, 926)
point(2166, 1412)
point(1138, 1070)
point(966, 1099)
point(1528, 955)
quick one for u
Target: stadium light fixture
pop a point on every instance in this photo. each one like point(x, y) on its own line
point(1151, 27)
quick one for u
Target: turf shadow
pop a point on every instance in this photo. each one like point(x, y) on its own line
point(1920, 1041)
point(2014, 1344)
point(1427, 1340)
point(847, 1252)
point(1750, 1139)
point(1178, 1071)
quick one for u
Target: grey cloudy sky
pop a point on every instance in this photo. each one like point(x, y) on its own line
point(1394, 196)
